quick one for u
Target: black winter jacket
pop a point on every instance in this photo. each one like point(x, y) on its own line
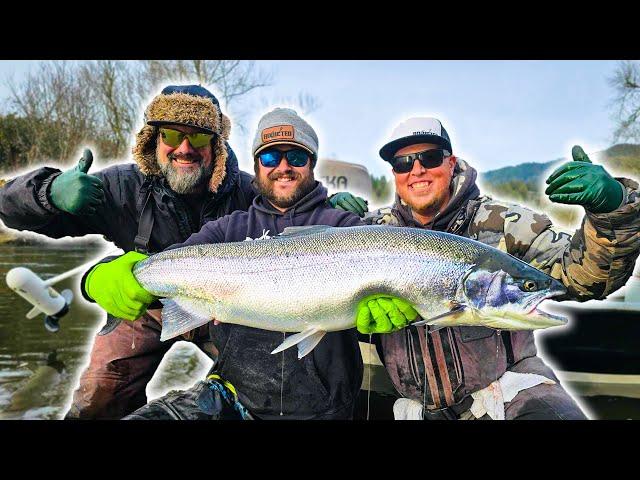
point(25, 205)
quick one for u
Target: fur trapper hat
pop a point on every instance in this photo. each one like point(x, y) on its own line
point(189, 105)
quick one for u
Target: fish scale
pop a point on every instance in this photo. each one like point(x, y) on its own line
point(311, 280)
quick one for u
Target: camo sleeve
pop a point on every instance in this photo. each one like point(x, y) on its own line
point(381, 216)
point(592, 262)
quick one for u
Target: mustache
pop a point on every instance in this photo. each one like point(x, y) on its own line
point(182, 156)
point(287, 173)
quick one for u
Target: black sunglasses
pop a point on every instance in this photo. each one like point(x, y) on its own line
point(427, 158)
point(271, 158)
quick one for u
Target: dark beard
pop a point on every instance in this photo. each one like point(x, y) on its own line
point(265, 187)
point(184, 183)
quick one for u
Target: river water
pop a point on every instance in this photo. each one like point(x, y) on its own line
point(39, 370)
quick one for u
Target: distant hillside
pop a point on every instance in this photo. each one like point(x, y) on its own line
point(623, 158)
point(524, 172)
point(522, 183)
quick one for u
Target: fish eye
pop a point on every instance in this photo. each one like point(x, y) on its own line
point(529, 286)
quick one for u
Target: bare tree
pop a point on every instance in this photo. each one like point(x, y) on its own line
point(626, 83)
point(53, 101)
point(116, 93)
point(232, 78)
point(68, 104)
point(304, 102)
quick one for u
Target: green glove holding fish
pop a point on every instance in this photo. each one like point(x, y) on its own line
point(75, 191)
point(349, 203)
point(580, 182)
point(383, 314)
point(113, 287)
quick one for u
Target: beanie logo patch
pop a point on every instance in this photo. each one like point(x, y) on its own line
point(280, 132)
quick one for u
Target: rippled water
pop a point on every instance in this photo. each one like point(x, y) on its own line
point(39, 369)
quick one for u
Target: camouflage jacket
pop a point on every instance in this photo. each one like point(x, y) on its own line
point(592, 262)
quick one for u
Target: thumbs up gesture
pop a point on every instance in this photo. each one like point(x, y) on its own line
point(77, 192)
point(580, 182)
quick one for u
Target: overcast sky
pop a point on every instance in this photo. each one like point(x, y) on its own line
point(497, 113)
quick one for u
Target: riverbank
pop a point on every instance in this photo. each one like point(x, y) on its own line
point(38, 369)
point(14, 237)
point(8, 237)
point(5, 236)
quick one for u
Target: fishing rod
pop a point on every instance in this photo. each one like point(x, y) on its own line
point(42, 296)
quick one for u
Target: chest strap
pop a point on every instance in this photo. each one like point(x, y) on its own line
point(428, 365)
point(145, 225)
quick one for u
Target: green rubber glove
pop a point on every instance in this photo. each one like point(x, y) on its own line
point(76, 192)
point(114, 288)
point(580, 182)
point(350, 203)
point(383, 314)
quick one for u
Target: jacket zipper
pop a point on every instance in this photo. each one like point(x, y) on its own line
point(508, 347)
point(182, 216)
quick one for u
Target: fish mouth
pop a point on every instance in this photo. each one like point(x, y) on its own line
point(548, 318)
point(533, 319)
point(555, 290)
point(533, 307)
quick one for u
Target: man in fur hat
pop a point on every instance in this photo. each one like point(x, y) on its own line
point(186, 175)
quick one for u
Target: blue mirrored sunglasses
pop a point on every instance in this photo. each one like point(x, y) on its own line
point(271, 158)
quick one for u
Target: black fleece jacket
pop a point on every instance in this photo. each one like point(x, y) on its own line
point(325, 383)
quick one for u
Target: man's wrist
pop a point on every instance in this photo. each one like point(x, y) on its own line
point(625, 196)
point(604, 205)
point(44, 194)
point(84, 283)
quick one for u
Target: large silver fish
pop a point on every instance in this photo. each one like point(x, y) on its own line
point(310, 280)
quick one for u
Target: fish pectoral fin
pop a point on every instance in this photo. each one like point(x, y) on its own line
point(309, 343)
point(303, 230)
point(33, 313)
point(447, 319)
point(181, 315)
point(306, 341)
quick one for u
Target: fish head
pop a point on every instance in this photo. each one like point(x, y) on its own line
point(509, 291)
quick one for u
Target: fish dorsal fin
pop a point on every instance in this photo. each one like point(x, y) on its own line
point(306, 341)
point(181, 315)
point(304, 230)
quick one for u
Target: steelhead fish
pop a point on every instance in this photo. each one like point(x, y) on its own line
point(310, 280)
